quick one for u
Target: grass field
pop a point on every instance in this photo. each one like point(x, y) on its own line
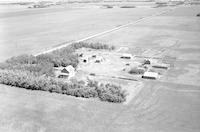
point(170, 104)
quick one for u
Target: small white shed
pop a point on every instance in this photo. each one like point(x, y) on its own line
point(150, 75)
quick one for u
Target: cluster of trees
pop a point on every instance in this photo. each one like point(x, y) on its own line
point(37, 73)
point(43, 64)
point(92, 89)
point(62, 57)
point(91, 45)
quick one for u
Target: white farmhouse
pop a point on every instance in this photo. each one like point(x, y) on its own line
point(66, 72)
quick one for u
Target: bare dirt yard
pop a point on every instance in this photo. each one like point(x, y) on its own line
point(169, 104)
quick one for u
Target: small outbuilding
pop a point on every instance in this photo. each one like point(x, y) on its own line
point(94, 56)
point(147, 62)
point(161, 66)
point(99, 59)
point(126, 56)
point(150, 75)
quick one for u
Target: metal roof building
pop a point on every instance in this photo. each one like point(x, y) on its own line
point(150, 75)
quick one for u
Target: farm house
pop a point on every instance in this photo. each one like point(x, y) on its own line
point(66, 72)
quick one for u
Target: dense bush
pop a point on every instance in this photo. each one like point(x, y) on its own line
point(108, 92)
point(198, 15)
point(91, 45)
point(136, 71)
point(22, 59)
point(28, 80)
point(37, 69)
point(37, 72)
point(44, 63)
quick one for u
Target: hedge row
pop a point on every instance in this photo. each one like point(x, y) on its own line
point(93, 89)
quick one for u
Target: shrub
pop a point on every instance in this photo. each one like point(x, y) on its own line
point(198, 15)
point(136, 71)
point(36, 73)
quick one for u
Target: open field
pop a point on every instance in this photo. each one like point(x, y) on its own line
point(170, 104)
point(49, 27)
point(157, 107)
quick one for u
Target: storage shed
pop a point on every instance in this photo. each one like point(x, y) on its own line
point(162, 66)
point(126, 56)
point(150, 75)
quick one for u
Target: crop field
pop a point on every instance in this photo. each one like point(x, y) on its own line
point(168, 104)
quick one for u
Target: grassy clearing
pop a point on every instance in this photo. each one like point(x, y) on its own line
point(37, 73)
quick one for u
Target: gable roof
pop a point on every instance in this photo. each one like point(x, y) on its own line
point(64, 70)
